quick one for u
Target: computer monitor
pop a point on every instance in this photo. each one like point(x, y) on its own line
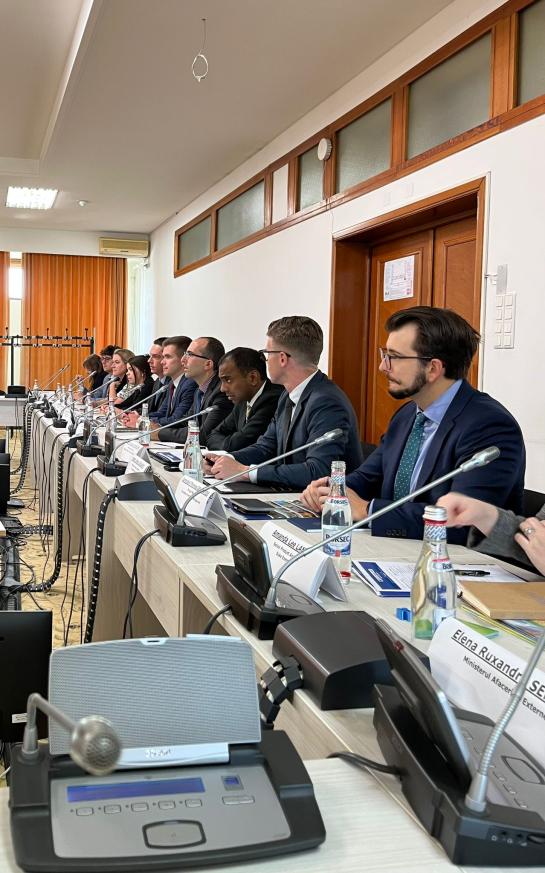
point(25, 647)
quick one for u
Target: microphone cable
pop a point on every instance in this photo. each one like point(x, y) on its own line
point(210, 624)
point(97, 562)
point(133, 586)
point(360, 761)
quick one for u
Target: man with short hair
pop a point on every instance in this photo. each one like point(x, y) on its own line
point(179, 395)
point(311, 406)
point(200, 364)
point(243, 379)
point(427, 356)
point(155, 360)
point(106, 355)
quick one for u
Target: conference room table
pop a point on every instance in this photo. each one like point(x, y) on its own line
point(11, 411)
point(177, 595)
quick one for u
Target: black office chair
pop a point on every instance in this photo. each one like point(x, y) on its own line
point(367, 449)
point(532, 502)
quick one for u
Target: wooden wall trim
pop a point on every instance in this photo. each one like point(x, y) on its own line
point(502, 23)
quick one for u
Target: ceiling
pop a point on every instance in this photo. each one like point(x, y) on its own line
point(97, 98)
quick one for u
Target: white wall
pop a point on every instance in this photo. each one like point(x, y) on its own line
point(55, 242)
point(290, 272)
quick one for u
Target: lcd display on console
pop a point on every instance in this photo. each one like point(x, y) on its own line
point(147, 788)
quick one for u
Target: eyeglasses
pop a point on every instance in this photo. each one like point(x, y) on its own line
point(266, 352)
point(189, 354)
point(105, 357)
point(386, 358)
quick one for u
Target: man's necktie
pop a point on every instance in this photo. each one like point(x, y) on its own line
point(198, 399)
point(248, 410)
point(285, 424)
point(171, 392)
point(407, 463)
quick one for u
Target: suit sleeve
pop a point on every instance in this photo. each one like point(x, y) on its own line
point(494, 483)
point(222, 408)
point(223, 431)
point(234, 436)
point(313, 463)
point(366, 481)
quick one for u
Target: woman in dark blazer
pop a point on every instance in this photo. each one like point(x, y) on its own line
point(140, 380)
point(506, 535)
point(93, 365)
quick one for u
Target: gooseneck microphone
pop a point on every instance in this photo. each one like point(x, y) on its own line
point(202, 531)
point(170, 424)
point(325, 438)
point(54, 376)
point(94, 743)
point(475, 798)
point(479, 459)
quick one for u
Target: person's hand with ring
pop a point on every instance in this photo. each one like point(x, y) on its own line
point(532, 539)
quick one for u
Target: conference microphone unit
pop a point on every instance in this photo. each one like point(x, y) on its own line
point(86, 445)
point(50, 413)
point(485, 808)
point(181, 529)
point(94, 744)
point(107, 463)
point(307, 638)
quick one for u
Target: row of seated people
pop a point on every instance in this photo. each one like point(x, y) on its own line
point(425, 361)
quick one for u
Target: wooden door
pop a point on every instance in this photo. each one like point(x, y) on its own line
point(444, 275)
point(380, 406)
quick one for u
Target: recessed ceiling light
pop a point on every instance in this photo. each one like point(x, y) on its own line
point(31, 198)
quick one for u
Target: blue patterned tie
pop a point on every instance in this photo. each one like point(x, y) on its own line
point(402, 484)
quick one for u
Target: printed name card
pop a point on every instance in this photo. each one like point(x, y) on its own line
point(310, 573)
point(479, 675)
point(127, 451)
point(202, 505)
point(138, 464)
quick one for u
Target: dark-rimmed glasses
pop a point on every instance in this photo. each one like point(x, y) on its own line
point(386, 358)
point(189, 354)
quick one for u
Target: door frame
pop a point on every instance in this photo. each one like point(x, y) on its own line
point(351, 275)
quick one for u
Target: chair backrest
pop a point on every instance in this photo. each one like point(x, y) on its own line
point(532, 502)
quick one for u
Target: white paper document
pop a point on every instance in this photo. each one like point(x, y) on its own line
point(201, 504)
point(479, 675)
point(311, 573)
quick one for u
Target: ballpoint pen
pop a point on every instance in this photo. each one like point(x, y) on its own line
point(471, 572)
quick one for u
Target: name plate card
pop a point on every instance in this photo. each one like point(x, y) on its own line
point(202, 505)
point(309, 574)
point(128, 451)
point(138, 464)
point(479, 675)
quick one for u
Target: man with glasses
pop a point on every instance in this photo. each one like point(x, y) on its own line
point(426, 359)
point(311, 405)
point(177, 399)
point(200, 364)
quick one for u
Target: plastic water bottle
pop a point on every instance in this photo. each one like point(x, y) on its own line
point(111, 427)
point(192, 460)
point(336, 515)
point(433, 591)
point(144, 427)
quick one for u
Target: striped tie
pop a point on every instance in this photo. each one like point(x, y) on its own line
point(402, 484)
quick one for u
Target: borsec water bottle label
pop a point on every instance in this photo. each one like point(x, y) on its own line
point(340, 546)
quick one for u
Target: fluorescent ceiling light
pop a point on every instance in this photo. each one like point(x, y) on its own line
point(31, 198)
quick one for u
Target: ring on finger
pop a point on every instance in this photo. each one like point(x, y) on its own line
point(528, 531)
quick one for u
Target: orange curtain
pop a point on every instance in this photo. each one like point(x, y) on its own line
point(67, 294)
point(4, 315)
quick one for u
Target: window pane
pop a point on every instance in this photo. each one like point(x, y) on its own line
point(311, 175)
point(451, 98)
point(194, 244)
point(531, 53)
point(242, 216)
point(363, 147)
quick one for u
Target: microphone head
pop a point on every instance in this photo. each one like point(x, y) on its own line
point(330, 435)
point(208, 409)
point(481, 458)
point(95, 746)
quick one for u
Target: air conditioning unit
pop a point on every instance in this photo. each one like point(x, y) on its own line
point(124, 248)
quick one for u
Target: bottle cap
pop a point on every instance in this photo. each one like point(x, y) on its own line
point(435, 513)
point(338, 467)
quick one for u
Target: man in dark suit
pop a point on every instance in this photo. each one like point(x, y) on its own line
point(201, 367)
point(156, 366)
point(310, 406)
point(243, 378)
point(427, 356)
point(177, 399)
